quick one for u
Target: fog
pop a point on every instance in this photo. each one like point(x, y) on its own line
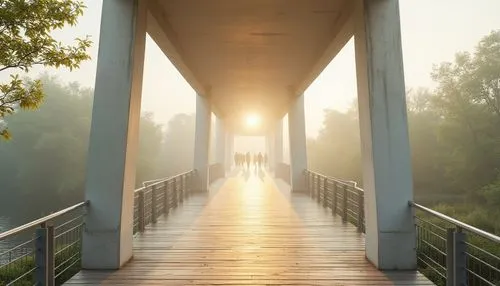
point(432, 31)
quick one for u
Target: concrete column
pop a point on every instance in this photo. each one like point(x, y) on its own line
point(229, 157)
point(270, 150)
point(113, 145)
point(387, 174)
point(278, 143)
point(202, 140)
point(298, 151)
point(220, 142)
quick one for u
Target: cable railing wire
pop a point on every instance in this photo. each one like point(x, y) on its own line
point(449, 251)
point(47, 251)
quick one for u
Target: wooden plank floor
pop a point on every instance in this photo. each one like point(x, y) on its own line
point(249, 232)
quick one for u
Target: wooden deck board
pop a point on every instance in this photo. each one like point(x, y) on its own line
point(249, 232)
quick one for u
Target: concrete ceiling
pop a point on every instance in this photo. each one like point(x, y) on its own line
point(250, 56)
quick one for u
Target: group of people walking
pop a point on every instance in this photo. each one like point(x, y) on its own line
point(258, 160)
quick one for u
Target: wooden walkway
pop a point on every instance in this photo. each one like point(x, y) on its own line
point(249, 232)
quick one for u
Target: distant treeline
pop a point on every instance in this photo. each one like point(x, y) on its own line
point(42, 168)
point(454, 136)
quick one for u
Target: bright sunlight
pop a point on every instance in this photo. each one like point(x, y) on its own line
point(253, 120)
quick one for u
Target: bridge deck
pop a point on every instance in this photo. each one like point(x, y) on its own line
point(249, 232)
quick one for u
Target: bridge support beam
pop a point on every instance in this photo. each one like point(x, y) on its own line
point(220, 142)
point(278, 144)
point(229, 151)
point(269, 150)
point(202, 140)
point(298, 151)
point(387, 175)
point(113, 146)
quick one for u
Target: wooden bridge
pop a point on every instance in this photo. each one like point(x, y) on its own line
point(249, 229)
point(243, 57)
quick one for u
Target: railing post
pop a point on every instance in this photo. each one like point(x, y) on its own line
point(334, 200)
point(175, 194)
point(182, 194)
point(460, 258)
point(153, 204)
point(325, 188)
point(450, 234)
point(51, 255)
point(306, 178)
point(184, 186)
point(315, 189)
point(165, 197)
point(309, 188)
point(361, 210)
point(141, 211)
point(41, 256)
point(320, 190)
point(344, 203)
point(456, 259)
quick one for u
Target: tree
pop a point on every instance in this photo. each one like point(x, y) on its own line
point(25, 41)
point(336, 151)
point(178, 148)
point(150, 146)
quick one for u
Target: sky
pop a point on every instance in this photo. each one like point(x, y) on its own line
point(432, 32)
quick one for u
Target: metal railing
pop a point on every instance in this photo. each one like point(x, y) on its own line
point(159, 198)
point(344, 198)
point(47, 251)
point(451, 252)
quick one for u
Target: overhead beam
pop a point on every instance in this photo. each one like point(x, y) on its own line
point(161, 32)
point(342, 35)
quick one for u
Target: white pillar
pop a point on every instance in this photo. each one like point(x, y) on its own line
point(387, 175)
point(278, 143)
point(202, 140)
point(298, 152)
point(269, 149)
point(220, 141)
point(229, 150)
point(113, 145)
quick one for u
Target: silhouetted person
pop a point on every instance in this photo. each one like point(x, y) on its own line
point(265, 159)
point(248, 158)
point(260, 159)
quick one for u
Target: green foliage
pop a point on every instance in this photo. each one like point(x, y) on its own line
point(455, 150)
point(18, 268)
point(454, 138)
point(25, 41)
point(15, 270)
point(43, 166)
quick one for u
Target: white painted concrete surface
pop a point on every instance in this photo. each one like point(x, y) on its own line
point(387, 175)
point(110, 181)
point(202, 140)
point(298, 150)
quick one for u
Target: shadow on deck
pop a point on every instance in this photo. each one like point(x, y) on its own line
point(249, 230)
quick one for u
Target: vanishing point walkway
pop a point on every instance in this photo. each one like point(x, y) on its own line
point(249, 230)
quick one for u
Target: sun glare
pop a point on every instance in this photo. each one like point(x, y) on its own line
point(252, 120)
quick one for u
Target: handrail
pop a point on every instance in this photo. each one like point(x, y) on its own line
point(458, 223)
point(145, 183)
point(161, 180)
point(332, 178)
point(6, 234)
point(346, 201)
point(61, 243)
point(337, 180)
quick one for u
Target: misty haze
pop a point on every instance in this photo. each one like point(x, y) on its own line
point(221, 142)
